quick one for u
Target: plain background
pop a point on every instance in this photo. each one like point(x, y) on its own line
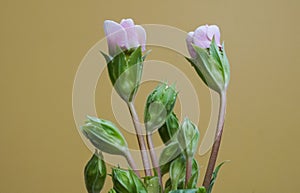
point(43, 42)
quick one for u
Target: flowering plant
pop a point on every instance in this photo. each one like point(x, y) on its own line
point(126, 44)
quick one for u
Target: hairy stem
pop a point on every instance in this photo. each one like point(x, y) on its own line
point(153, 157)
point(140, 138)
point(188, 174)
point(217, 142)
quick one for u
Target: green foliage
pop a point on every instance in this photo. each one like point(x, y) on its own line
point(95, 174)
point(126, 181)
point(159, 106)
point(169, 129)
point(105, 136)
point(198, 190)
point(214, 176)
point(152, 184)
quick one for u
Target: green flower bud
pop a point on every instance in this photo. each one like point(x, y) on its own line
point(177, 172)
point(159, 106)
point(198, 190)
point(152, 184)
point(95, 174)
point(105, 136)
point(169, 154)
point(127, 182)
point(212, 66)
point(169, 129)
point(188, 137)
point(125, 72)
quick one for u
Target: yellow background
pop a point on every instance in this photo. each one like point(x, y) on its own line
point(43, 42)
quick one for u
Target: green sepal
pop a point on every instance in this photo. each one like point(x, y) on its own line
point(168, 154)
point(125, 72)
point(214, 176)
point(159, 106)
point(152, 184)
point(106, 57)
point(168, 130)
point(105, 136)
point(95, 173)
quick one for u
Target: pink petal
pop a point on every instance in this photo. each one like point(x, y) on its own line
point(189, 42)
point(141, 34)
point(214, 31)
point(132, 36)
point(200, 37)
point(116, 36)
point(127, 23)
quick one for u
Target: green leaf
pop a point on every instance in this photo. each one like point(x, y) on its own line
point(152, 184)
point(168, 130)
point(105, 136)
point(168, 186)
point(214, 176)
point(198, 190)
point(95, 174)
point(169, 154)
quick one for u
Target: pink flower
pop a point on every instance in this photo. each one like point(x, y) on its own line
point(202, 37)
point(125, 35)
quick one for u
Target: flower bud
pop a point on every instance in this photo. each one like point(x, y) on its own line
point(168, 130)
point(112, 191)
point(95, 174)
point(105, 136)
point(198, 190)
point(152, 184)
point(178, 172)
point(127, 182)
point(159, 106)
point(188, 137)
point(125, 35)
point(208, 57)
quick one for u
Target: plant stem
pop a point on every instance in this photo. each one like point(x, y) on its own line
point(188, 173)
point(131, 163)
point(140, 138)
point(217, 142)
point(153, 157)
